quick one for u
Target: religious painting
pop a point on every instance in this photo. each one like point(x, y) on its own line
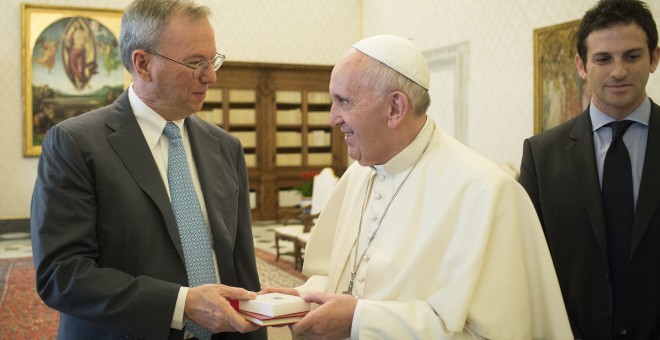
point(559, 92)
point(71, 65)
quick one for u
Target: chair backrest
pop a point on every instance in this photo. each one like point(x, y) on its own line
point(309, 221)
point(324, 183)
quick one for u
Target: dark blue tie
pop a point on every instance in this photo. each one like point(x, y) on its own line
point(194, 234)
point(618, 204)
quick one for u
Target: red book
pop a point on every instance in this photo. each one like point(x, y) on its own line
point(264, 320)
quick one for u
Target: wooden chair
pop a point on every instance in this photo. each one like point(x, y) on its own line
point(324, 183)
point(301, 239)
point(287, 232)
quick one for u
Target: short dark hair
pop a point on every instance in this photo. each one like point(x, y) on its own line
point(607, 13)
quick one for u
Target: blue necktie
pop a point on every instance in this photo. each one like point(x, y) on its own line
point(618, 204)
point(194, 234)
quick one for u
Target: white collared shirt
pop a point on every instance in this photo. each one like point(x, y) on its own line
point(152, 126)
point(635, 140)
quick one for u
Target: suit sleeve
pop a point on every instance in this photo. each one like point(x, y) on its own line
point(528, 178)
point(64, 220)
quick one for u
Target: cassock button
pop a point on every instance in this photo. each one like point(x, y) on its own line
point(374, 217)
point(361, 279)
point(378, 196)
point(366, 258)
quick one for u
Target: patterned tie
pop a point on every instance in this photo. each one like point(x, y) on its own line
point(195, 238)
point(618, 204)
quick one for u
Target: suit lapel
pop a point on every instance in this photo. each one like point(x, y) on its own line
point(649, 187)
point(128, 142)
point(583, 165)
point(204, 146)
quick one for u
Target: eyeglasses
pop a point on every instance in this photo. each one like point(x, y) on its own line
point(201, 66)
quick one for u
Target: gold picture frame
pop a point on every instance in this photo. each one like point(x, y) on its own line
point(71, 65)
point(559, 92)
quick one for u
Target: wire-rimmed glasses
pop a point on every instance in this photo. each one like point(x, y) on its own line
point(200, 67)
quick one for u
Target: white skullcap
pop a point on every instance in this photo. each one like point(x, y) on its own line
point(399, 54)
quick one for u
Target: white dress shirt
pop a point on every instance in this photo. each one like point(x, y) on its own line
point(152, 125)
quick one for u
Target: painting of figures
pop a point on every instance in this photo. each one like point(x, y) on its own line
point(72, 66)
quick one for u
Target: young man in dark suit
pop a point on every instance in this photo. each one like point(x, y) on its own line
point(602, 223)
point(114, 251)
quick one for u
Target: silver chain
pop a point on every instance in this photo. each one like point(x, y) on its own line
point(356, 242)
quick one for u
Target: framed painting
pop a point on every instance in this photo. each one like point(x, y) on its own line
point(559, 92)
point(71, 65)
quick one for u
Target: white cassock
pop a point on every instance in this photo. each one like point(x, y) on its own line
point(460, 252)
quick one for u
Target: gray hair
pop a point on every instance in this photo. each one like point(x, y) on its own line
point(143, 22)
point(384, 80)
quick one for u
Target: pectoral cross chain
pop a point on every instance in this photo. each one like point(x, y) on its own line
point(349, 290)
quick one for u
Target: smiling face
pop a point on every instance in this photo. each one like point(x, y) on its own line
point(172, 91)
point(359, 112)
point(617, 68)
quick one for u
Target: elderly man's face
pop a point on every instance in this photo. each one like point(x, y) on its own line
point(174, 92)
point(359, 112)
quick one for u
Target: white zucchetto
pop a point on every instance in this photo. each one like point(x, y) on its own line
point(398, 53)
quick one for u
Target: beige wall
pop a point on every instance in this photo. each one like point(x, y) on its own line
point(499, 36)
point(282, 31)
point(500, 98)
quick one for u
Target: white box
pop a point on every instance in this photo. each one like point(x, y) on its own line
point(216, 116)
point(242, 96)
point(275, 304)
point(250, 160)
point(289, 198)
point(288, 97)
point(248, 138)
point(212, 116)
point(205, 115)
point(213, 96)
point(242, 116)
point(318, 98)
point(318, 118)
point(288, 139)
point(318, 138)
point(288, 117)
point(319, 159)
point(288, 159)
point(253, 200)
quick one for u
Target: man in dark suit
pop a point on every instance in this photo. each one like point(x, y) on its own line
point(609, 274)
point(108, 249)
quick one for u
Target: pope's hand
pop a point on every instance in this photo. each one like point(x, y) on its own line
point(331, 320)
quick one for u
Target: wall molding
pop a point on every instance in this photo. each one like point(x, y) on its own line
point(454, 58)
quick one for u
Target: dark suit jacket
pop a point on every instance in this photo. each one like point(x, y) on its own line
point(106, 246)
point(559, 172)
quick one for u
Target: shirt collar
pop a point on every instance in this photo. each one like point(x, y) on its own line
point(641, 115)
point(407, 157)
point(151, 123)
